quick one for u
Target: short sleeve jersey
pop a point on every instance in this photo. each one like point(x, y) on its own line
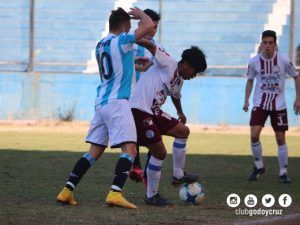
point(270, 74)
point(159, 81)
point(115, 57)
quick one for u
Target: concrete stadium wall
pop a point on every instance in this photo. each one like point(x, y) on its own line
point(206, 100)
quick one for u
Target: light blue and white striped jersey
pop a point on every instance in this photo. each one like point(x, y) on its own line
point(115, 59)
point(140, 51)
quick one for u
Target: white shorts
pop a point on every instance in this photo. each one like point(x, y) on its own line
point(112, 123)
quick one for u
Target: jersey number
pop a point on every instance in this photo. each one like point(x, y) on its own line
point(105, 71)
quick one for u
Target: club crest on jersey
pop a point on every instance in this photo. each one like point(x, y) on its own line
point(276, 69)
point(147, 122)
point(149, 134)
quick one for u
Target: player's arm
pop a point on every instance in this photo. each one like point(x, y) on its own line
point(249, 85)
point(142, 64)
point(297, 100)
point(248, 90)
point(178, 106)
point(145, 25)
point(146, 43)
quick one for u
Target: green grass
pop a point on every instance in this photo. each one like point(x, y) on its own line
point(34, 167)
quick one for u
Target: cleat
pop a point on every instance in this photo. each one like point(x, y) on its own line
point(66, 197)
point(284, 179)
point(157, 200)
point(115, 198)
point(136, 174)
point(187, 178)
point(255, 174)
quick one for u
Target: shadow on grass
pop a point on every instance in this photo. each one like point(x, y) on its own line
point(30, 181)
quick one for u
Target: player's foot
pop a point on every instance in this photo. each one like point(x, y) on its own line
point(187, 178)
point(284, 179)
point(66, 197)
point(255, 173)
point(157, 200)
point(115, 198)
point(136, 174)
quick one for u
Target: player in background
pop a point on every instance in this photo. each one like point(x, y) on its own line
point(113, 121)
point(164, 78)
point(269, 68)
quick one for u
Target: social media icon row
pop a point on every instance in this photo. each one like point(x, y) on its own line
point(268, 200)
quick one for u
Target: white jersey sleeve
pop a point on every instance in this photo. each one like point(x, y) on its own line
point(289, 67)
point(251, 70)
point(163, 58)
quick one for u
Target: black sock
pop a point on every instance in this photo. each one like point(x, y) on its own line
point(121, 172)
point(148, 158)
point(137, 160)
point(77, 173)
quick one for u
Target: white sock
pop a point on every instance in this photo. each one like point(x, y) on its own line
point(283, 159)
point(178, 153)
point(257, 154)
point(153, 176)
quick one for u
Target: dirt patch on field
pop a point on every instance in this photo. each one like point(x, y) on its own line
point(51, 125)
point(286, 220)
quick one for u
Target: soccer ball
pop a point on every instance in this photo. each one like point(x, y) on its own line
point(193, 193)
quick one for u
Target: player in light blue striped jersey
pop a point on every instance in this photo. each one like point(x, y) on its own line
point(113, 121)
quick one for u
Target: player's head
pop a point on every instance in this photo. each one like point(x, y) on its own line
point(268, 42)
point(119, 21)
point(192, 62)
point(155, 17)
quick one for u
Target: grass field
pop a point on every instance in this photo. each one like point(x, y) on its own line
point(35, 162)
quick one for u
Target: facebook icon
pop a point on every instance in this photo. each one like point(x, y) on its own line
point(285, 200)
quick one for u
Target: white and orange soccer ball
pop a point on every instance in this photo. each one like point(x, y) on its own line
point(192, 193)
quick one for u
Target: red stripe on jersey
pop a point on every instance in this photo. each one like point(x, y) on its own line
point(275, 60)
point(263, 98)
point(262, 66)
point(274, 102)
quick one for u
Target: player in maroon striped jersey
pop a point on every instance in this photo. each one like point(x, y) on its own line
point(269, 68)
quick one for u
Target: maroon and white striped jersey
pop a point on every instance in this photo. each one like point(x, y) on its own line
point(270, 80)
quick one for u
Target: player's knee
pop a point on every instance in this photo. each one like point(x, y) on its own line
point(161, 155)
point(185, 132)
point(254, 138)
point(280, 139)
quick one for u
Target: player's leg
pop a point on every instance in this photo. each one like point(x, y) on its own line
point(172, 127)
point(158, 154)
point(136, 173)
point(279, 123)
point(148, 135)
point(122, 132)
point(80, 168)
point(98, 138)
point(257, 122)
point(123, 165)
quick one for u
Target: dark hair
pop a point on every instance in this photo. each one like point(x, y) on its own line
point(152, 14)
point(195, 58)
point(269, 33)
point(117, 17)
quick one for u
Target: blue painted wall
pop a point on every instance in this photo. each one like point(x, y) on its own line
point(206, 100)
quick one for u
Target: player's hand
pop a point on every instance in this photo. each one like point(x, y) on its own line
point(135, 13)
point(142, 64)
point(182, 118)
point(297, 106)
point(246, 106)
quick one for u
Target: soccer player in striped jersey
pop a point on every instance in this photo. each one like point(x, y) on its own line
point(164, 78)
point(113, 121)
point(269, 68)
